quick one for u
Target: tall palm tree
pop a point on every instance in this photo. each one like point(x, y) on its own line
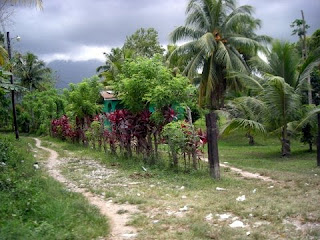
point(283, 61)
point(31, 71)
point(220, 36)
point(285, 81)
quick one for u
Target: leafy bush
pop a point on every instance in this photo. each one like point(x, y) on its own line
point(183, 138)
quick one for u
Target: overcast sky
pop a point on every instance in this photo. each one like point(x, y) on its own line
point(81, 30)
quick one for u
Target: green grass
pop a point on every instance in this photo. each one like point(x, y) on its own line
point(34, 206)
point(294, 198)
point(265, 156)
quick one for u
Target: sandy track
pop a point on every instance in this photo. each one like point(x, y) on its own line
point(244, 173)
point(119, 229)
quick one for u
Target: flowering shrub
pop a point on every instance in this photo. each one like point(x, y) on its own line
point(62, 128)
point(127, 128)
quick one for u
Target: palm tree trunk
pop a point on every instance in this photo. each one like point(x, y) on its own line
point(304, 55)
point(212, 135)
point(251, 139)
point(310, 146)
point(286, 150)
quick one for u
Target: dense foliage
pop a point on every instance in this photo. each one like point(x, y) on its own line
point(39, 108)
point(217, 72)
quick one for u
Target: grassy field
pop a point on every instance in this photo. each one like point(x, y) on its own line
point(34, 206)
point(178, 205)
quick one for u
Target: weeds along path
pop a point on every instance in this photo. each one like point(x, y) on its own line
point(119, 228)
point(244, 173)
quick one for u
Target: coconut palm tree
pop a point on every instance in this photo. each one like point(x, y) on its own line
point(220, 35)
point(246, 114)
point(284, 105)
point(113, 64)
point(284, 61)
point(313, 113)
point(31, 71)
point(285, 80)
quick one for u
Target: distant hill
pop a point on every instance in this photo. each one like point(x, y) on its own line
point(73, 72)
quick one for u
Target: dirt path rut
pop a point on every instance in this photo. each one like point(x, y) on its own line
point(119, 229)
point(244, 173)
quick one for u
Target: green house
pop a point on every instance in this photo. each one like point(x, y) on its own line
point(110, 102)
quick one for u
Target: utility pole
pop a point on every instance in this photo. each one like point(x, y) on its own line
point(305, 55)
point(16, 130)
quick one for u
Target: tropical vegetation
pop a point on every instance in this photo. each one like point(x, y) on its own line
point(218, 91)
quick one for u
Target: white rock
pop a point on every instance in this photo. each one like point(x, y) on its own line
point(155, 221)
point(241, 198)
point(36, 166)
point(250, 215)
point(138, 194)
point(316, 174)
point(209, 217)
point(170, 213)
point(224, 216)
point(182, 188)
point(271, 187)
point(220, 189)
point(254, 190)
point(152, 185)
point(185, 208)
point(237, 224)
point(225, 162)
point(129, 235)
point(184, 197)
point(248, 233)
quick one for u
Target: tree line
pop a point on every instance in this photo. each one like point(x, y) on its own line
point(225, 70)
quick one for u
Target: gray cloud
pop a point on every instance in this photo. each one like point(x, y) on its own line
point(277, 15)
point(64, 27)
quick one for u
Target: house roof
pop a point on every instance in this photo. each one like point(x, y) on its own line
point(108, 95)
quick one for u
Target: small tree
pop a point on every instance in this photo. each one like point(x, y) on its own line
point(144, 43)
point(176, 140)
point(147, 83)
point(83, 103)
